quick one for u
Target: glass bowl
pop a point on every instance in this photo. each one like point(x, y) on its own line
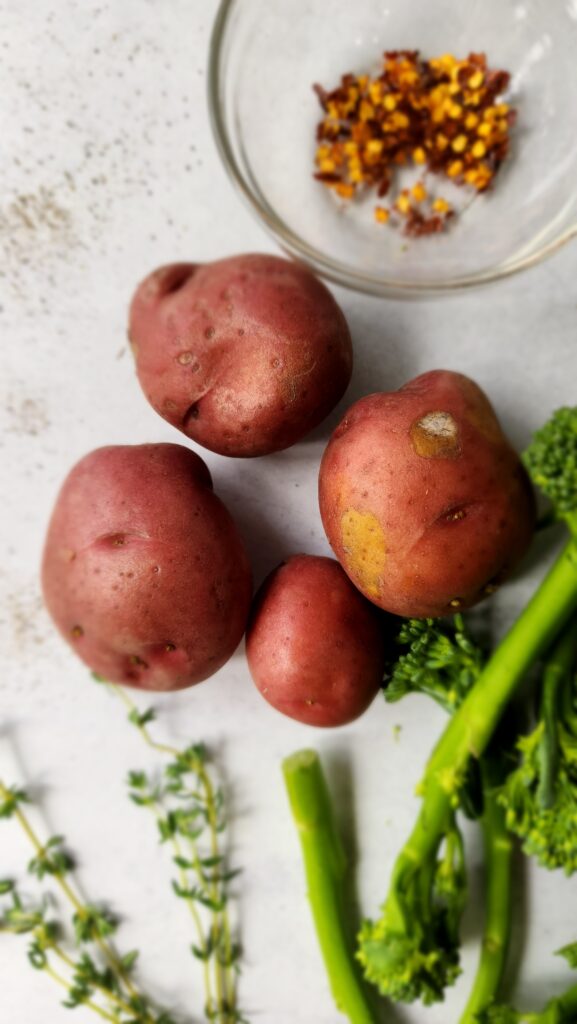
point(265, 57)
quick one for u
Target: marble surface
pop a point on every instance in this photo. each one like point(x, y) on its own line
point(109, 169)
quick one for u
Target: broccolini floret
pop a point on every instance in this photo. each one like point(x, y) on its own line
point(540, 795)
point(412, 951)
point(561, 1010)
point(551, 461)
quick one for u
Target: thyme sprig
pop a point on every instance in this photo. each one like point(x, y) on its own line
point(77, 954)
point(190, 814)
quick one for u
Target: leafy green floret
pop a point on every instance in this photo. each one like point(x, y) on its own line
point(569, 953)
point(441, 661)
point(499, 1015)
point(562, 1010)
point(551, 460)
point(552, 1014)
point(412, 951)
point(548, 833)
point(540, 796)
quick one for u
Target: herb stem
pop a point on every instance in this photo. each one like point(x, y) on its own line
point(221, 971)
point(163, 748)
point(71, 896)
point(220, 987)
point(91, 1005)
point(106, 992)
point(157, 810)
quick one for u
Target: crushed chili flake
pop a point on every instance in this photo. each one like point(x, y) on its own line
point(442, 115)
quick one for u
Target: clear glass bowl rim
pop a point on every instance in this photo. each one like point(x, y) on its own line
point(300, 250)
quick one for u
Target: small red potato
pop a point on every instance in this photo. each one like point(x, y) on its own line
point(245, 355)
point(424, 501)
point(315, 647)
point(144, 572)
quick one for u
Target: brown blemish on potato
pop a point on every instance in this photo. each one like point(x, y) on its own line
point(456, 603)
point(435, 436)
point(77, 632)
point(452, 515)
point(169, 648)
point(209, 333)
point(184, 358)
point(134, 659)
point(364, 544)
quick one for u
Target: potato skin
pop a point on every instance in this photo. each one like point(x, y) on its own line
point(144, 572)
point(424, 501)
point(245, 355)
point(315, 647)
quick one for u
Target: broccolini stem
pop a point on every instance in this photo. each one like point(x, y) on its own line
point(473, 724)
point(325, 868)
point(556, 675)
point(497, 928)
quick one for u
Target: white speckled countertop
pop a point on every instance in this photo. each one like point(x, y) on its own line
point(109, 169)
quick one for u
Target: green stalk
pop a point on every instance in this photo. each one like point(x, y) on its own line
point(539, 624)
point(497, 929)
point(325, 868)
point(556, 676)
point(473, 724)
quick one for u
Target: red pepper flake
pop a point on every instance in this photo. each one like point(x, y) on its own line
point(443, 115)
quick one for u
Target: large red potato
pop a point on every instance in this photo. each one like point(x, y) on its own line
point(245, 355)
point(424, 501)
point(144, 572)
point(315, 647)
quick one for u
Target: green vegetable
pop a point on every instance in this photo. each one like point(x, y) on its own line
point(540, 795)
point(325, 868)
point(190, 817)
point(443, 661)
point(498, 900)
point(92, 973)
point(189, 812)
point(561, 1010)
point(412, 927)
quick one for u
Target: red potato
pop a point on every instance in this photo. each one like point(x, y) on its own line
point(144, 572)
point(315, 647)
point(424, 501)
point(245, 355)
